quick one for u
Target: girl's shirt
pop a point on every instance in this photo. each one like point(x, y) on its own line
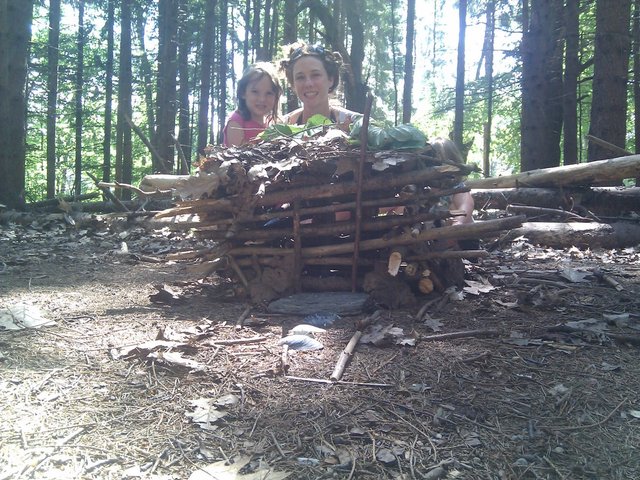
point(250, 128)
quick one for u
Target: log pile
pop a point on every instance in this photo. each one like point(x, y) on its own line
point(319, 214)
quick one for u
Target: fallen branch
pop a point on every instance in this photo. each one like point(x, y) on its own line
point(591, 173)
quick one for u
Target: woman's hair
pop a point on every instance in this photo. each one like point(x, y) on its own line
point(332, 61)
point(255, 73)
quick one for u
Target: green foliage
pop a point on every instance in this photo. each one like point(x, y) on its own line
point(400, 137)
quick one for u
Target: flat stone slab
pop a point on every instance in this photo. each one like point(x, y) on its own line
point(342, 303)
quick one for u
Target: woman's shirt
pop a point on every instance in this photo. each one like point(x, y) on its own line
point(340, 116)
point(250, 128)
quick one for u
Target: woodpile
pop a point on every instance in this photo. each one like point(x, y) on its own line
point(319, 214)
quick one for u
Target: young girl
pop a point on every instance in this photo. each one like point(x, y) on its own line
point(258, 97)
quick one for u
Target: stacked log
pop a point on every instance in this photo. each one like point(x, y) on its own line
point(290, 215)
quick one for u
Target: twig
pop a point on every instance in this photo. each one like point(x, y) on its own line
point(285, 359)
point(461, 334)
point(238, 270)
point(340, 382)
point(345, 356)
point(243, 317)
point(104, 187)
point(608, 279)
point(552, 465)
point(275, 441)
point(239, 341)
point(591, 425)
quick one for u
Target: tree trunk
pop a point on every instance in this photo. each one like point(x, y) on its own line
point(356, 94)
point(570, 87)
point(488, 49)
point(541, 52)
point(145, 67)
point(53, 55)
point(601, 201)
point(245, 45)
point(184, 43)
point(167, 74)
point(78, 100)
point(222, 70)
point(205, 75)
point(15, 34)
point(581, 235)
point(124, 160)
point(290, 35)
point(394, 60)
point(458, 122)
point(408, 62)
point(610, 74)
point(255, 28)
point(108, 108)
point(263, 54)
point(636, 78)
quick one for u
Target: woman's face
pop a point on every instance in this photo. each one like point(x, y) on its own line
point(260, 98)
point(311, 82)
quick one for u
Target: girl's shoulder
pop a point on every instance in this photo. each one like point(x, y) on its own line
point(237, 117)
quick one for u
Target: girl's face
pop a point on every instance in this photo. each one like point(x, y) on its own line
point(311, 82)
point(260, 98)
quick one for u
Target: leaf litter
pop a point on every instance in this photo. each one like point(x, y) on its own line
point(443, 407)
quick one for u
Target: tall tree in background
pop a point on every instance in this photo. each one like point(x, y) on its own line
point(489, 38)
point(140, 13)
point(356, 94)
point(290, 35)
point(636, 76)
point(458, 122)
point(124, 150)
point(541, 51)
point(184, 48)
point(394, 59)
point(15, 34)
point(610, 75)
point(53, 56)
point(166, 81)
point(408, 62)
point(77, 185)
point(108, 109)
point(570, 85)
point(206, 55)
point(222, 68)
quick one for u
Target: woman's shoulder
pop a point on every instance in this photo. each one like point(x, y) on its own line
point(343, 115)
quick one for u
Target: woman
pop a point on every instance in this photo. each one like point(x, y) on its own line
point(258, 97)
point(314, 74)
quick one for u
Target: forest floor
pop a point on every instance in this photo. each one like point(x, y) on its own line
point(547, 390)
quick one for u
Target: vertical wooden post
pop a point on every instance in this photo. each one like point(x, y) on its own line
point(364, 136)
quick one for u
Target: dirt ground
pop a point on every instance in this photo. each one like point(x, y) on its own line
point(545, 386)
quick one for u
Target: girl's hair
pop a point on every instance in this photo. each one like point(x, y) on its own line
point(255, 73)
point(332, 61)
